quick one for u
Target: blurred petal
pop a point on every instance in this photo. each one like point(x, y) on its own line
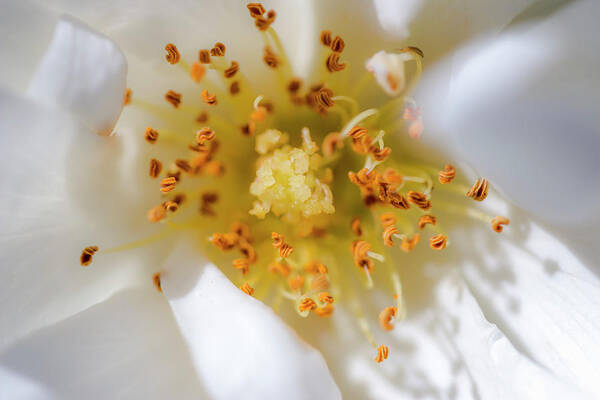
point(83, 72)
point(58, 198)
point(497, 368)
point(238, 344)
point(26, 30)
point(524, 113)
point(125, 347)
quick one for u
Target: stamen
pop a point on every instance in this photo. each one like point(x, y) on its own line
point(447, 175)
point(197, 72)
point(356, 228)
point(325, 297)
point(270, 58)
point(337, 45)
point(331, 143)
point(202, 117)
point(264, 22)
point(155, 168)
point(246, 288)
point(156, 281)
point(399, 201)
point(285, 250)
point(208, 199)
point(168, 184)
point(232, 70)
point(387, 219)
point(218, 50)
point(150, 135)
point(386, 316)
point(157, 213)
point(256, 9)
point(498, 222)
point(324, 311)
point(382, 353)
point(296, 282)
point(280, 267)
point(174, 98)
point(172, 56)
point(409, 243)
point(294, 85)
point(234, 88)
point(333, 63)
point(204, 135)
point(307, 304)
point(388, 235)
point(419, 199)
point(479, 191)
point(325, 38)
point(354, 121)
point(87, 254)
point(204, 56)
point(426, 219)
point(438, 242)
point(210, 99)
point(225, 241)
point(319, 282)
point(127, 97)
point(242, 265)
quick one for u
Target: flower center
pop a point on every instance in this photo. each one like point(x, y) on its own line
point(306, 195)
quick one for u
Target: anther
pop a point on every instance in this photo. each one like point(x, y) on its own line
point(156, 281)
point(380, 154)
point(155, 168)
point(210, 99)
point(382, 353)
point(285, 250)
point(208, 199)
point(409, 243)
point(447, 174)
point(337, 45)
point(127, 97)
point(247, 250)
point(218, 50)
point(173, 97)
point(232, 70)
point(296, 282)
point(87, 254)
point(225, 241)
point(280, 267)
point(183, 165)
point(270, 58)
point(398, 201)
point(498, 222)
point(294, 85)
point(386, 316)
point(204, 56)
point(242, 230)
point(388, 235)
point(151, 135)
point(387, 219)
point(419, 199)
point(426, 219)
point(172, 54)
point(323, 97)
point(438, 242)
point(156, 214)
point(242, 265)
point(479, 191)
point(234, 88)
point(357, 132)
point(171, 206)
point(168, 184)
point(324, 311)
point(278, 240)
point(197, 72)
point(325, 297)
point(246, 288)
point(256, 9)
point(307, 304)
point(202, 117)
point(319, 282)
point(204, 135)
point(333, 63)
point(356, 228)
point(264, 22)
point(392, 176)
point(331, 143)
point(325, 38)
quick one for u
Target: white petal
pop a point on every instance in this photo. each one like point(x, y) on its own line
point(26, 30)
point(497, 369)
point(58, 197)
point(238, 344)
point(524, 112)
point(541, 296)
point(83, 72)
point(125, 347)
point(396, 16)
point(144, 29)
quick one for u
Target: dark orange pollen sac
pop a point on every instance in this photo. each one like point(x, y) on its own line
point(287, 183)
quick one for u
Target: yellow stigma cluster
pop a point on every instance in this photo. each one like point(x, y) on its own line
point(287, 180)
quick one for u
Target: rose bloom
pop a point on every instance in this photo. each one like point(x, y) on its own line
point(299, 200)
